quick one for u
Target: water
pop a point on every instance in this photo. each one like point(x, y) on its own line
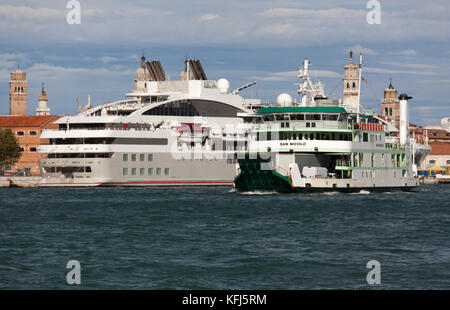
point(214, 238)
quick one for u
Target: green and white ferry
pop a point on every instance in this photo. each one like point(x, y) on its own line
point(322, 146)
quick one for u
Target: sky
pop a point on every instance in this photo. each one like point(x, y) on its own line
point(242, 41)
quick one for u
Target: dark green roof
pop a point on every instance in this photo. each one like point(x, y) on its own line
point(301, 109)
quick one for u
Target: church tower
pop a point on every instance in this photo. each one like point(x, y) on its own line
point(18, 87)
point(43, 108)
point(351, 86)
point(390, 105)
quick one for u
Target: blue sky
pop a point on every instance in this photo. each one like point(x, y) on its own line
point(242, 41)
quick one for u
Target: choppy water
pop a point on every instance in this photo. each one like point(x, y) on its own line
point(214, 238)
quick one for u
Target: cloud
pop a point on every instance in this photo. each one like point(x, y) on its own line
point(410, 52)
point(208, 17)
point(292, 75)
point(359, 49)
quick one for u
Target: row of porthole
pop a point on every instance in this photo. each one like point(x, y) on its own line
point(144, 171)
point(134, 157)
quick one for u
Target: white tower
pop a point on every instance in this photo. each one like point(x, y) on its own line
point(351, 86)
point(43, 108)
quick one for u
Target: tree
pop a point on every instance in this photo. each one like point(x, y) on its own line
point(9, 148)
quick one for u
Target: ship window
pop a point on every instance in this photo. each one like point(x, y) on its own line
point(365, 137)
point(150, 171)
point(141, 157)
point(279, 117)
point(313, 124)
point(282, 125)
point(330, 117)
point(133, 171)
point(294, 136)
point(33, 133)
point(32, 149)
point(158, 171)
point(311, 136)
point(133, 157)
point(125, 171)
point(125, 157)
point(88, 169)
point(142, 171)
point(433, 161)
point(300, 136)
point(150, 157)
point(287, 124)
point(308, 124)
point(20, 133)
point(448, 162)
point(269, 118)
point(166, 171)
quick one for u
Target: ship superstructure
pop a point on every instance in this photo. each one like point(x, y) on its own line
point(321, 144)
point(180, 132)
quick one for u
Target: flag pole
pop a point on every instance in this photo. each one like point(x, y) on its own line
point(359, 89)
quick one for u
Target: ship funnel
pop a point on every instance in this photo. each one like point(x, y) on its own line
point(404, 119)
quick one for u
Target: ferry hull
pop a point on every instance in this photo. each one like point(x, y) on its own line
point(253, 177)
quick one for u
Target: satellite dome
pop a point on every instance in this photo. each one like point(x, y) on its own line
point(223, 85)
point(284, 100)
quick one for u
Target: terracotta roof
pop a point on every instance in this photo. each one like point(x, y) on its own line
point(26, 121)
point(438, 134)
point(440, 148)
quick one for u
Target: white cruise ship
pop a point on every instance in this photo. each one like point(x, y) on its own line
point(167, 133)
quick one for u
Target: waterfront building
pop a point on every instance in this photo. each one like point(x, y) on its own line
point(27, 130)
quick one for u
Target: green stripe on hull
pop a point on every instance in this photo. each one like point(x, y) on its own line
point(253, 178)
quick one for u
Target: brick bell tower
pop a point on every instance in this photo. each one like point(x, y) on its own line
point(18, 87)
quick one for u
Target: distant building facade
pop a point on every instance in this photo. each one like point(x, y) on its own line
point(439, 140)
point(18, 88)
point(27, 130)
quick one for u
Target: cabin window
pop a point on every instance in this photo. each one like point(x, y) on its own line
point(433, 161)
point(330, 117)
point(308, 125)
point(32, 149)
point(269, 118)
point(33, 133)
point(313, 124)
point(20, 133)
point(365, 137)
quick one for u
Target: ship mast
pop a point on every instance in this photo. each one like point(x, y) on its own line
point(358, 109)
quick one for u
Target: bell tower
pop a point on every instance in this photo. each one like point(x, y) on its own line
point(351, 86)
point(18, 87)
point(390, 105)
